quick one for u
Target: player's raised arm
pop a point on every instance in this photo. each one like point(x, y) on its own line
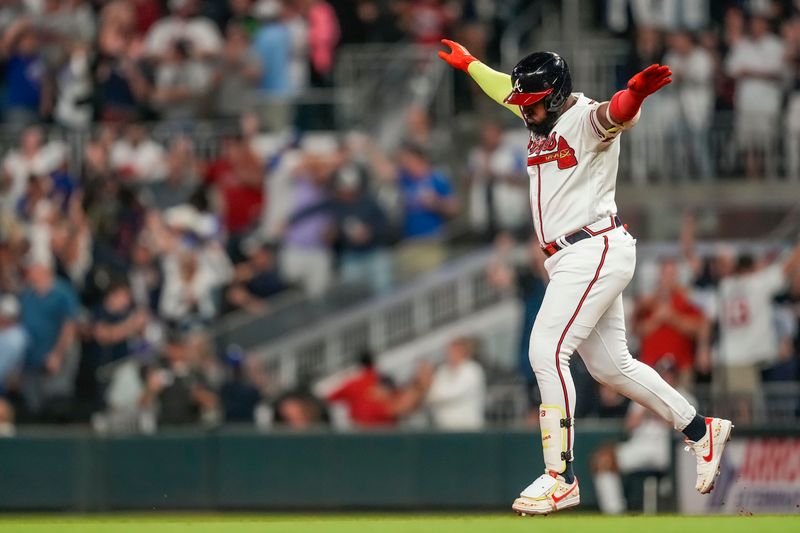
point(623, 109)
point(496, 85)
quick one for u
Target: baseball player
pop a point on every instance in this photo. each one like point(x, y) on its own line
point(572, 163)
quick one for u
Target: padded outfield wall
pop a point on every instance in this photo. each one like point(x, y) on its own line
point(238, 470)
point(309, 471)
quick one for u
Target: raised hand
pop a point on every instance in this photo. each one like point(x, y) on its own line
point(459, 57)
point(650, 79)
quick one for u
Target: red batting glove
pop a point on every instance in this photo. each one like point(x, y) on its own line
point(626, 103)
point(459, 57)
point(650, 80)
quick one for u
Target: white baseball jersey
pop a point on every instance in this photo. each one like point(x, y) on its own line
point(747, 325)
point(573, 173)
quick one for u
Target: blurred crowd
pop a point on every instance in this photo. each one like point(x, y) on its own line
point(126, 247)
point(73, 62)
point(732, 108)
point(120, 253)
point(151, 239)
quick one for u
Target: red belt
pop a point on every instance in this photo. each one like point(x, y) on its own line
point(583, 233)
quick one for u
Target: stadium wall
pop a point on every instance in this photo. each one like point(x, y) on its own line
point(232, 470)
point(314, 471)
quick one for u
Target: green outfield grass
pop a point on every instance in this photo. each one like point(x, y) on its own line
point(477, 523)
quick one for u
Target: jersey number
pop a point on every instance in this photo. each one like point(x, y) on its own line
point(737, 313)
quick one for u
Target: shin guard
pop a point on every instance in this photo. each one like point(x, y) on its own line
point(554, 425)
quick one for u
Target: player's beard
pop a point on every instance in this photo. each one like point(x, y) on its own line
point(543, 129)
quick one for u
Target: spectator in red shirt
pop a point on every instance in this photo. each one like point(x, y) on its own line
point(147, 13)
point(669, 324)
point(238, 177)
point(430, 20)
point(372, 400)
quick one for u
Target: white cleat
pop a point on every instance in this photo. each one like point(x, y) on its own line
point(708, 452)
point(547, 494)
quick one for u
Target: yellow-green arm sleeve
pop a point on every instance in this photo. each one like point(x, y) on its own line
point(496, 85)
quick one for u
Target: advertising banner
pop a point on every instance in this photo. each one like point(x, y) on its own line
point(757, 476)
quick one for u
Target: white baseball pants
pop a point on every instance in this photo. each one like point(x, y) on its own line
point(582, 310)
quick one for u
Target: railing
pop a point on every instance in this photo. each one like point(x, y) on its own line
point(293, 310)
point(375, 83)
point(658, 150)
point(287, 314)
point(596, 66)
point(663, 149)
point(775, 404)
point(461, 292)
point(439, 298)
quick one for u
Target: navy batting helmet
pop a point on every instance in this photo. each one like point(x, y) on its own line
point(541, 76)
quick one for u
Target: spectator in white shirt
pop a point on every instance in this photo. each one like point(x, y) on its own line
point(756, 63)
point(748, 336)
point(457, 395)
point(182, 83)
point(498, 199)
point(297, 25)
point(693, 87)
point(73, 107)
point(185, 25)
point(791, 38)
point(32, 158)
point(194, 265)
point(192, 278)
point(236, 74)
point(138, 157)
point(663, 14)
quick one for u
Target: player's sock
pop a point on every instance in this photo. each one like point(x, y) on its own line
point(569, 475)
point(696, 429)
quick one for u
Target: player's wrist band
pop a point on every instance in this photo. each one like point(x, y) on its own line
point(610, 118)
point(624, 105)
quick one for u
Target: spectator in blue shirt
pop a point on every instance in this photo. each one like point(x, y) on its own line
point(25, 75)
point(272, 49)
point(272, 45)
point(428, 198)
point(13, 340)
point(49, 309)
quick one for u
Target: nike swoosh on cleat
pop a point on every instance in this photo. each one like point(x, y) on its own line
point(707, 458)
point(559, 498)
